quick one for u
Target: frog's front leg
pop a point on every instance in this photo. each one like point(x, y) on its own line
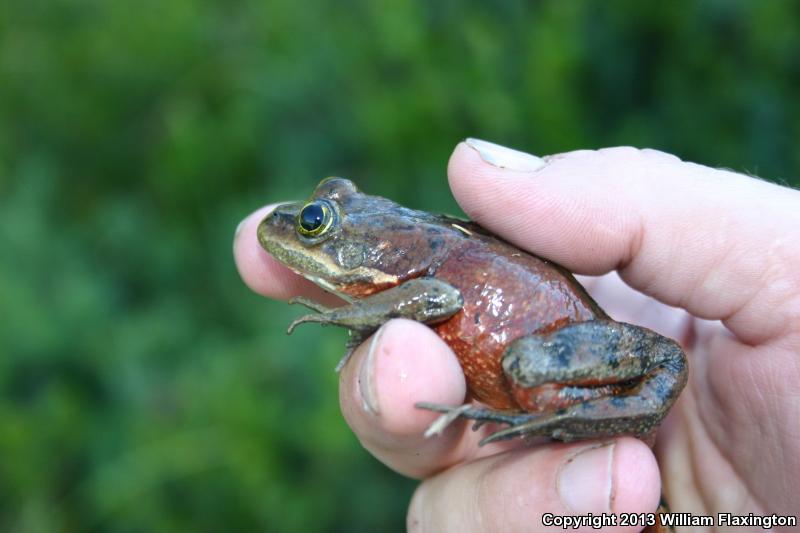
point(426, 300)
point(590, 380)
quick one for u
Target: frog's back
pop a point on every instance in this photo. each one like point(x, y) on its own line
point(507, 294)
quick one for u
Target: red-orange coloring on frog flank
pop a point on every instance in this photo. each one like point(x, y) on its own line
point(507, 295)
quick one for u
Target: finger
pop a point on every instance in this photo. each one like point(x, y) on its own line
point(402, 364)
point(628, 305)
point(512, 491)
point(713, 242)
point(263, 273)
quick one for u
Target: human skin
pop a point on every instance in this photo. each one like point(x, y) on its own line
point(708, 257)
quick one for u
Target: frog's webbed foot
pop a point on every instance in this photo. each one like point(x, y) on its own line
point(322, 316)
point(426, 300)
point(545, 425)
point(592, 380)
point(357, 336)
point(304, 319)
point(451, 414)
point(480, 415)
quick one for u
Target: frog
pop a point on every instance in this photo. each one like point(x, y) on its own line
point(541, 358)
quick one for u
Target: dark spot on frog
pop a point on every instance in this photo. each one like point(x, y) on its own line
point(478, 321)
point(661, 389)
point(562, 356)
point(400, 227)
point(513, 366)
point(618, 401)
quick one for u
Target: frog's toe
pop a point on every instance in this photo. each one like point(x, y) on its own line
point(470, 411)
point(478, 424)
point(322, 319)
point(345, 358)
point(532, 425)
point(450, 415)
point(503, 434)
point(311, 304)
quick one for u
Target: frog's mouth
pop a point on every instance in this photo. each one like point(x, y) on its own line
point(276, 234)
point(300, 262)
point(330, 287)
point(349, 285)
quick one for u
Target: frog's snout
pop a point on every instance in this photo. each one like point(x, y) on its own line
point(276, 226)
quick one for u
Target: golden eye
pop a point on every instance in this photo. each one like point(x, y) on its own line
point(314, 219)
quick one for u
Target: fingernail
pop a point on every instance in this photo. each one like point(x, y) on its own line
point(236, 235)
point(238, 229)
point(584, 481)
point(502, 157)
point(366, 376)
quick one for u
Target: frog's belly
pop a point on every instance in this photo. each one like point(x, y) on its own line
point(481, 360)
point(506, 296)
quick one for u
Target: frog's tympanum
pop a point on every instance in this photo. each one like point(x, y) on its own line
point(538, 353)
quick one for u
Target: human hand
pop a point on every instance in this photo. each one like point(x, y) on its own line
point(717, 244)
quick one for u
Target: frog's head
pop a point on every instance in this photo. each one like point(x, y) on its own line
point(350, 243)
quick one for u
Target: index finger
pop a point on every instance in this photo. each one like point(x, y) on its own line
point(713, 242)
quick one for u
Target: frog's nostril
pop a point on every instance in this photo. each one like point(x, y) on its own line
point(280, 219)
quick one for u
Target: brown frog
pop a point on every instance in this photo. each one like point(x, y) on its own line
point(536, 350)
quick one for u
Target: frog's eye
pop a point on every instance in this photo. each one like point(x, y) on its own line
point(314, 219)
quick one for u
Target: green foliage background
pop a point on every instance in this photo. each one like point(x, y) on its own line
point(142, 386)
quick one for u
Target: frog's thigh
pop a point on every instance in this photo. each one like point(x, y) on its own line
point(605, 378)
point(592, 353)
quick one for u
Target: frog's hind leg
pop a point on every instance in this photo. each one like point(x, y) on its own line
point(621, 379)
point(468, 410)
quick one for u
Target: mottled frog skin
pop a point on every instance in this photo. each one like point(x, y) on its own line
point(538, 353)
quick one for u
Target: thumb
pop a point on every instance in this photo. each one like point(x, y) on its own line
point(522, 490)
point(713, 242)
